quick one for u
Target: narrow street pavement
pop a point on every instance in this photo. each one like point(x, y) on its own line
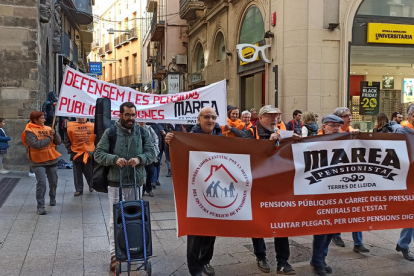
point(72, 239)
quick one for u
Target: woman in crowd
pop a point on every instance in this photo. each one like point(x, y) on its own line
point(235, 127)
point(310, 127)
point(382, 124)
point(4, 145)
point(41, 142)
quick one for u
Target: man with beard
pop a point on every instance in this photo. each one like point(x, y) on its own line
point(267, 130)
point(133, 148)
point(200, 248)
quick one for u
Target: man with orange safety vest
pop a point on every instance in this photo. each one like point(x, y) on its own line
point(80, 143)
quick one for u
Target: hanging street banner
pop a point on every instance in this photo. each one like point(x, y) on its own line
point(370, 96)
point(79, 92)
point(235, 187)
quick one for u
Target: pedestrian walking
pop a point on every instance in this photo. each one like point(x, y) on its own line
point(310, 127)
point(149, 169)
point(382, 125)
point(80, 143)
point(296, 124)
point(4, 145)
point(129, 150)
point(406, 236)
point(41, 142)
point(161, 132)
point(267, 130)
point(200, 249)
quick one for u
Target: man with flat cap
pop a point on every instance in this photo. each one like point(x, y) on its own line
point(330, 124)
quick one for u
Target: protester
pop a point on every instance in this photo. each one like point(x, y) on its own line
point(406, 235)
point(160, 131)
point(382, 125)
point(279, 124)
point(396, 119)
point(48, 108)
point(4, 145)
point(80, 143)
point(267, 130)
point(138, 154)
point(310, 127)
point(245, 118)
point(253, 118)
point(345, 114)
point(41, 142)
point(149, 169)
point(295, 124)
point(170, 127)
point(235, 127)
point(330, 124)
point(200, 249)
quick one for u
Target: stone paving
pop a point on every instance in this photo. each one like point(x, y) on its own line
point(72, 239)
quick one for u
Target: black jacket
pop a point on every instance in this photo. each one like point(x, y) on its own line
point(312, 129)
point(264, 133)
point(385, 129)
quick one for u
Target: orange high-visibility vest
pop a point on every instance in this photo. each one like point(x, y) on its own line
point(349, 129)
point(44, 154)
point(404, 123)
point(82, 139)
point(237, 124)
point(281, 126)
point(407, 124)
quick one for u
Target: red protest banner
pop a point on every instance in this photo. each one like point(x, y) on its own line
point(322, 184)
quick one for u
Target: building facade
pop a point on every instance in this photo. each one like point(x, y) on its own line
point(317, 49)
point(164, 43)
point(117, 36)
point(37, 39)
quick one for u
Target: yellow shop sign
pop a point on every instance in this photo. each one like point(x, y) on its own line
point(248, 53)
point(390, 33)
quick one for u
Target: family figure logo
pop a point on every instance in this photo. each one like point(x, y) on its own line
point(219, 186)
point(350, 166)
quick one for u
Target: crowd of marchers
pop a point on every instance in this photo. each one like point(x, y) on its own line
point(139, 148)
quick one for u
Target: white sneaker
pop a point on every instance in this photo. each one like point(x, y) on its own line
point(3, 171)
point(32, 174)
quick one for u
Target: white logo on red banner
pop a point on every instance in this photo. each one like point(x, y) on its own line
point(219, 186)
point(350, 166)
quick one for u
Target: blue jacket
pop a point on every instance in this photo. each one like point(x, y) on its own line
point(4, 140)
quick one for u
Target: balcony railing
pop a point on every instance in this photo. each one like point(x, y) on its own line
point(95, 44)
point(65, 44)
point(75, 53)
point(157, 27)
point(134, 34)
point(102, 51)
point(188, 8)
point(121, 40)
point(108, 48)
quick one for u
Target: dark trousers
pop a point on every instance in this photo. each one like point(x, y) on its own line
point(200, 251)
point(320, 249)
point(81, 169)
point(150, 172)
point(281, 247)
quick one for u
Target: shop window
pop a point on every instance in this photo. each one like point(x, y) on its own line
point(252, 30)
point(200, 61)
point(397, 8)
point(220, 47)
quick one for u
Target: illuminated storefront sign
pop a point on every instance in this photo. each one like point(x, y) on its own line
point(390, 33)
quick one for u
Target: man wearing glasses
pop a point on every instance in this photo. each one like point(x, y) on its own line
point(131, 148)
point(200, 248)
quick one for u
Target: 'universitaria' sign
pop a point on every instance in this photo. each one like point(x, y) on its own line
point(79, 92)
point(322, 184)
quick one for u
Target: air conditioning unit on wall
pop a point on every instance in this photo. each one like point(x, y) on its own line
point(181, 59)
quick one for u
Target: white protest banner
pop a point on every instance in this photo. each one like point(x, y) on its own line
point(79, 92)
